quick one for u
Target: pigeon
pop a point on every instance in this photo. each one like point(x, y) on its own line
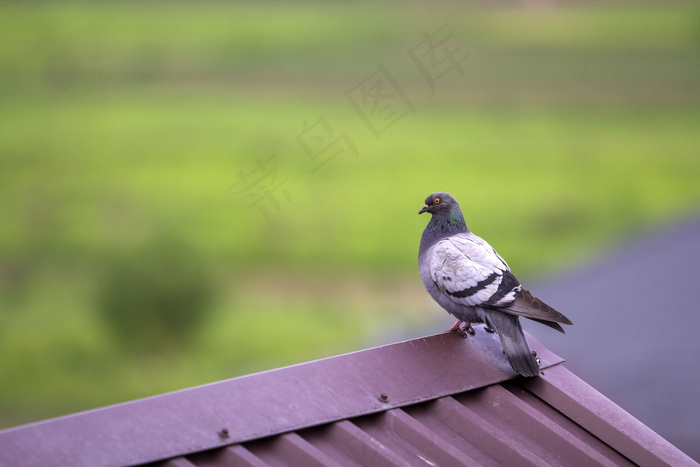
point(467, 278)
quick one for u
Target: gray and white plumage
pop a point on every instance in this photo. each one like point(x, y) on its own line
point(470, 280)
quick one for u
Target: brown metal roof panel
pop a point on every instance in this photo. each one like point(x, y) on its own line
point(594, 412)
point(482, 432)
point(177, 462)
point(583, 437)
point(236, 455)
point(452, 431)
point(408, 438)
point(527, 427)
point(424, 440)
point(504, 424)
point(500, 424)
point(441, 419)
point(538, 422)
point(380, 429)
point(265, 404)
point(448, 401)
point(348, 442)
point(290, 448)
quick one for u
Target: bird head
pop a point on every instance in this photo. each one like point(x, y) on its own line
point(439, 202)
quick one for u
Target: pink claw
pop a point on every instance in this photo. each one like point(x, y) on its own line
point(455, 327)
point(461, 328)
point(468, 328)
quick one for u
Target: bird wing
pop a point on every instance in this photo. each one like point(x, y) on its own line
point(471, 273)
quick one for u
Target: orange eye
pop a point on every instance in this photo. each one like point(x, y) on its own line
point(436, 200)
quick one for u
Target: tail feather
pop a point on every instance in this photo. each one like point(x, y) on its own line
point(532, 307)
point(514, 344)
point(552, 325)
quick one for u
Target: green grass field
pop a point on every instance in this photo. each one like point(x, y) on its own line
point(567, 129)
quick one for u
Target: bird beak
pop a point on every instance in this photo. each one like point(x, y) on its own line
point(423, 209)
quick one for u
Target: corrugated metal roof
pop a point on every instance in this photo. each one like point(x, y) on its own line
point(440, 400)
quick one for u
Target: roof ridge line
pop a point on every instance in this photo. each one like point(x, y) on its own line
point(266, 403)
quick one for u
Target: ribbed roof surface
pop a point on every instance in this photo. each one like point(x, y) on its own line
point(441, 400)
point(500, 424)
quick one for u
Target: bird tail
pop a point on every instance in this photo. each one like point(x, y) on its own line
point(514, 344)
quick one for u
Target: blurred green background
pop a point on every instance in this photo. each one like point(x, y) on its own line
point(162, 226)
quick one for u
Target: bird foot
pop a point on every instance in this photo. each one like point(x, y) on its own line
point(455, 327)
point(488, 329)
point(468, 327)
point(461, 328)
